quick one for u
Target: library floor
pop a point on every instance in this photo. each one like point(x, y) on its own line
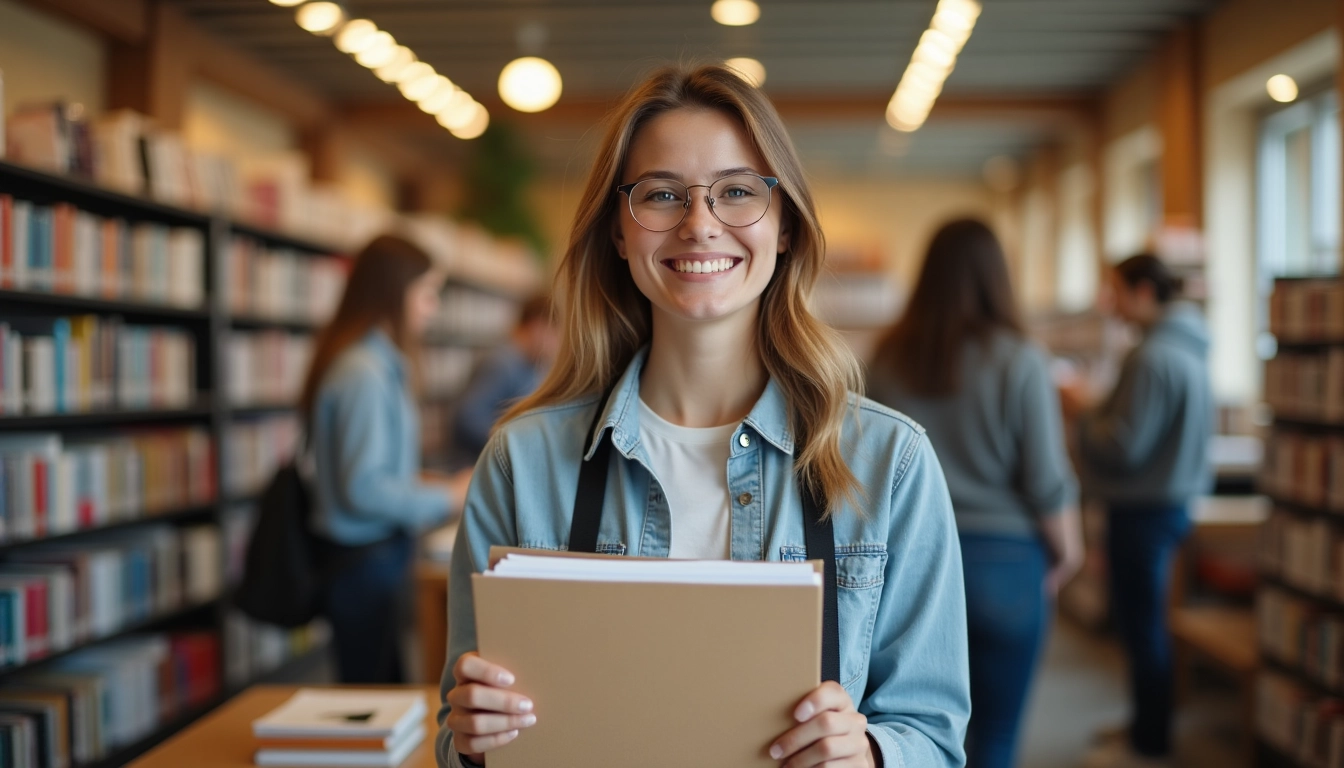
point(1081, 690)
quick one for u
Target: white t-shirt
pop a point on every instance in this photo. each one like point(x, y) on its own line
point(691, 464)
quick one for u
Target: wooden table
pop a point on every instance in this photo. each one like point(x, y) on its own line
point(223, 739)
point(431, 618)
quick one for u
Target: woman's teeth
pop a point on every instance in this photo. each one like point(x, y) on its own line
point(703, 267)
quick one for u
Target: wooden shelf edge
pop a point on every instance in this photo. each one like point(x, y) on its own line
point(27, 421)
point(76, 301)
point(1278, 582)
point(84, 188)
point(281, 239)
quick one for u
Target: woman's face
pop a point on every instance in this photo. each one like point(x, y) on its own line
point(422, 302)
point(732, 265)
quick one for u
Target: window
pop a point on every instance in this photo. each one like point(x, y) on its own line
point(1299, 190)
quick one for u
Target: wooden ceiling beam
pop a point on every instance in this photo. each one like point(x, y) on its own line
point(1064, 112)
point(123, 21)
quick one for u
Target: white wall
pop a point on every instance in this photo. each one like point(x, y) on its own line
point(43, 59)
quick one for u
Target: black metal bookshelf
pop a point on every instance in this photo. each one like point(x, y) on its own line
point(209, 325)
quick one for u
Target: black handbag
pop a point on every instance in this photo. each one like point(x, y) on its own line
point(283, 577)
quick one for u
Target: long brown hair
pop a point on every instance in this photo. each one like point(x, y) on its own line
point(605, 320)
point(963, 293)
point(375, 294)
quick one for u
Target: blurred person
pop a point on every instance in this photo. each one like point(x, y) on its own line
point(959, 363)
point(369, 498)
point(724, 412)
point(1144, 451)
point(509, 374)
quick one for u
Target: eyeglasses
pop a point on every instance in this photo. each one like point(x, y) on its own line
point(659, 205)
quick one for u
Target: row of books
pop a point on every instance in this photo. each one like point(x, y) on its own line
point(84, 707)
point(125, 151)
point(1304, 468)
point(266, 367)
point(282, 284)
point(254, 449)
point(1307, 310)
point(61, 249)
point(1304, 551)
point(1307, 727)
point(86, 363)
point(445, 371)
point(466, 313)
point(52, 485)
point(1307, 386)
point(1297, 633)
point(58, 595)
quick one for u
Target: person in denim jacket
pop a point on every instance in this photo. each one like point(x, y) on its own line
point(684, 292)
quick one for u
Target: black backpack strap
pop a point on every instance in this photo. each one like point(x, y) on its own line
point(592, 491)
point(819, 535)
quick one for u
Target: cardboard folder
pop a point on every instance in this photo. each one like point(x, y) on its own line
point(649, 675)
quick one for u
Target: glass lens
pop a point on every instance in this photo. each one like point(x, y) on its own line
point(661, 204)
point(658, 204)
point(740, 201)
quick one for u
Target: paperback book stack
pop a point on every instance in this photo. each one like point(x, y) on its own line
point(341, 728)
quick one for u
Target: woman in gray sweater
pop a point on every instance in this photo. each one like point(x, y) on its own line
point(958, 362)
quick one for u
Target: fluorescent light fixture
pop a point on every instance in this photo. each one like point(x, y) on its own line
point(321, 18)
point(356, 35)
point(750, 69)
point(735, 13)
point(530, 84)
point(1282, 88)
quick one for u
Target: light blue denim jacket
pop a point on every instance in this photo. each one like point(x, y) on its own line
point(903, 656)
point(366, 449)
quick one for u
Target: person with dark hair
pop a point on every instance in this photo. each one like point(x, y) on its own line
point(509, 374)
point(959, 363)
point(365, 436)
point(1144, 451)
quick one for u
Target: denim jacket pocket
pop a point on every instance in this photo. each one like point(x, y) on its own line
point(860, 572)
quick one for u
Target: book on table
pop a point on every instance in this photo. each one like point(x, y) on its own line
point(323, 727)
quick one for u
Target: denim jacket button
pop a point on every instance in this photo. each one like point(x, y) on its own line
point(743, 440)
point(744, 499)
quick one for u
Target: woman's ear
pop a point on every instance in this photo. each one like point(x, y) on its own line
point(617, 237)
point(785, 232)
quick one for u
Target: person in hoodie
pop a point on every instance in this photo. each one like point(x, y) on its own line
point(1144, 451)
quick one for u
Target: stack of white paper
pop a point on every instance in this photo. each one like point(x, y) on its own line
point(728, 572)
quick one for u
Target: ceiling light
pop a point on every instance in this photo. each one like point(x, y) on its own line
point(480, 120)
point(391, 72)
point(320, 18)
point(1282, 88)
point(931, 63)
point(420, 87)
point(735, 13)
point(529, 84)
point(356, 35)
point(439, 84)
point(286, 3)
point(414, 71)
point(379, 52)
point(750, 69)
point(458, 114)
point(440, 98)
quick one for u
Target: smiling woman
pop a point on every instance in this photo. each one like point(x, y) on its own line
point(693, 374)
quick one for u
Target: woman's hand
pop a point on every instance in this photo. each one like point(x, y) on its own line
point(831, 733)
point(485, 715)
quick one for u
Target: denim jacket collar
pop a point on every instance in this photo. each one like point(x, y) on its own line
point(769, 418)
point(378, 342)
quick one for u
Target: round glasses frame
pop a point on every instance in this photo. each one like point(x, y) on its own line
point(770, 183)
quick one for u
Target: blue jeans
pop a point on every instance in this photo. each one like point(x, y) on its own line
point(1140, 543)
point(1007, 615)
point(366, 591)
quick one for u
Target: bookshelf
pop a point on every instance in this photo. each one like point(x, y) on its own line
point(1300, 600)
point(200, 632)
